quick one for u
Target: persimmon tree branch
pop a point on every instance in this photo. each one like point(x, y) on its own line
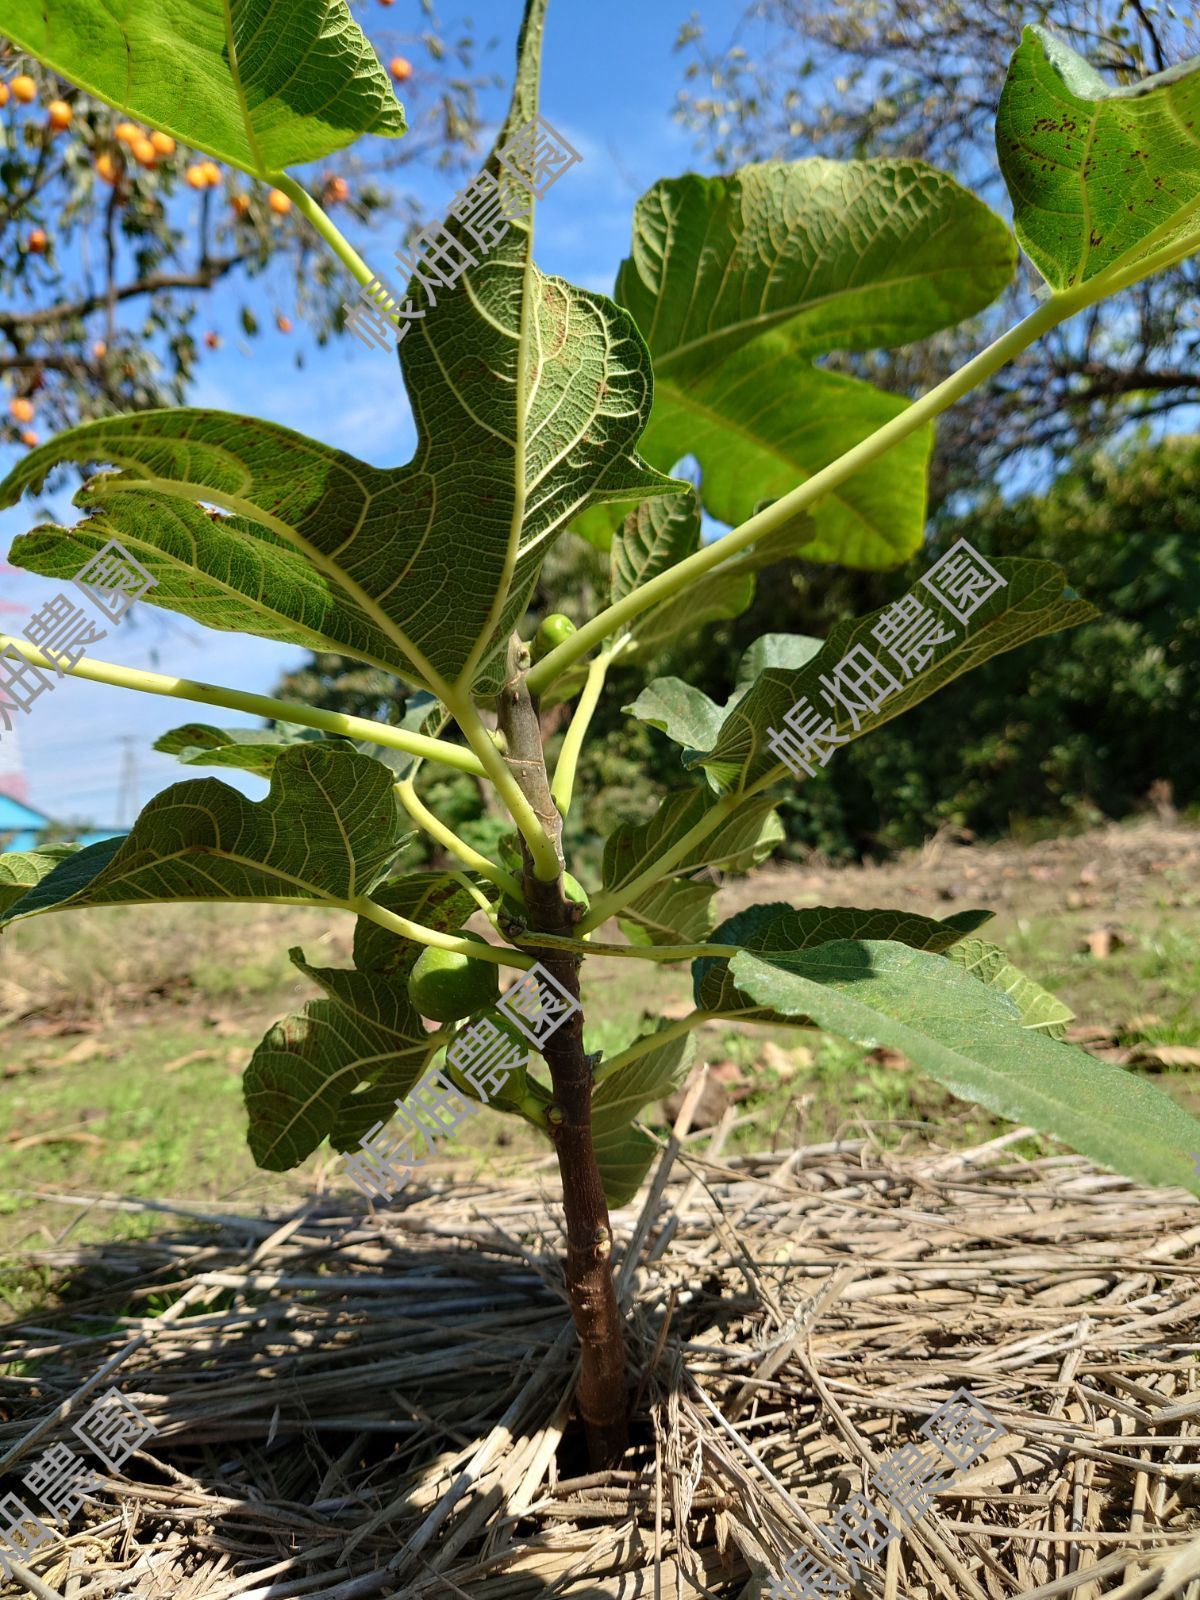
point(201, 278)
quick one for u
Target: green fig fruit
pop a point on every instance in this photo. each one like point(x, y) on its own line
point(555, 629)
point(496, 1084)
point(445, 985)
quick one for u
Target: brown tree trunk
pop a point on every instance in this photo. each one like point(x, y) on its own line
point(602, 1395)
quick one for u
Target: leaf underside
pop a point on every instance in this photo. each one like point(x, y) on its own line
point(529, 397)
point(740, 283)
point(325, 835)
point(261, 84)
point(1098, 175)
point(970, 1037)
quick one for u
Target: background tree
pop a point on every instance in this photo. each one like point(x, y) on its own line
point(105, 267)
point(844, 78)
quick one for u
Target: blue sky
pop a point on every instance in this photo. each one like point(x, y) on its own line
point(609, 80)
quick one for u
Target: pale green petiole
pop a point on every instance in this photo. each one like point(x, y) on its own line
point(260, 705)
point(332, 235)
point(500, 955)
point(651, 1041)
point(630, 952)
point(563, 782)
point(449, 840)
point(607, 905)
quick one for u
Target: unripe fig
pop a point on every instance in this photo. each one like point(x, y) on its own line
point(555, 629)
point(445, 985)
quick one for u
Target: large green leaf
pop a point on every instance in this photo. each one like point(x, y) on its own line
point(529, 396)
point(1034, 601)
point(738, 284)
point(970, 1038)
point(623, 1150)
point(325, 835)
point(1098, 175)
point(20, 870)
point(775, 932)
point(262, 84)
point(229, 573)
point(1037, 1007)
point(300, 1084)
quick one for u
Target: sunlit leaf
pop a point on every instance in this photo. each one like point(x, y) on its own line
point(261, 84)
point(325, 835)
point(738, 284)
point(969, 1037)
point(1098, 174)
point(20, 870)
point(1037, 1007)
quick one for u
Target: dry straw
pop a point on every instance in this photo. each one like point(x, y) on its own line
point(380, 1404)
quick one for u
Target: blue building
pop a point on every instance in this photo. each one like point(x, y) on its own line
point(21, 827)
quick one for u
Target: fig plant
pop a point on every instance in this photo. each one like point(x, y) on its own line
point(544, 410)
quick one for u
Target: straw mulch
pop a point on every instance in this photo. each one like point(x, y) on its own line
point(380, 1402)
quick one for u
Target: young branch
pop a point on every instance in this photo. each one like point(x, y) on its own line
point(260, 705)
point(204, 277)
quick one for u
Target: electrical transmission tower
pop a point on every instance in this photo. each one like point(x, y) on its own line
point(128, 804)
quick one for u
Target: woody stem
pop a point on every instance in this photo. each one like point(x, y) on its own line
point(602, 1398)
